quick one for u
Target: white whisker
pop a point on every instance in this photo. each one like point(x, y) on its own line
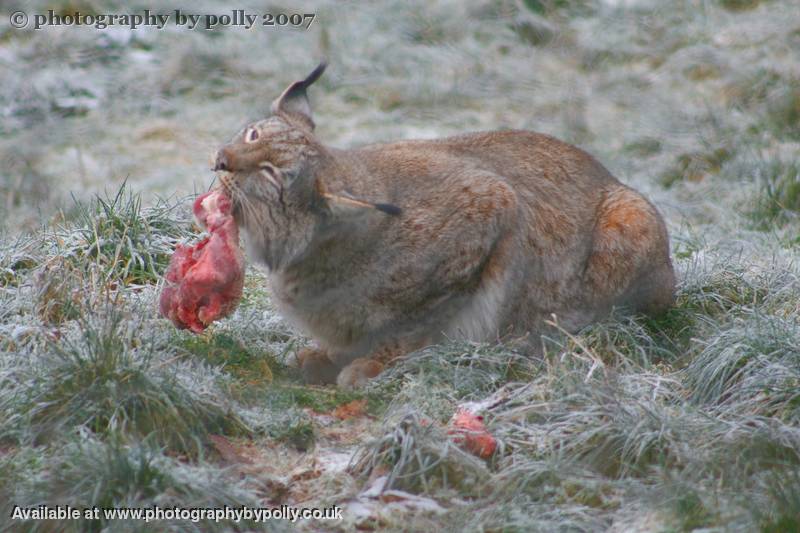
point(272, 179)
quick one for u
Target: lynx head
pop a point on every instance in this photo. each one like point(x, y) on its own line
point(270, 171)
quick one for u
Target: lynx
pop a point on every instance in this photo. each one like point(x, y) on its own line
point(378, 251)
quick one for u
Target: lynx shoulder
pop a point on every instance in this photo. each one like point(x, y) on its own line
point(377, 251)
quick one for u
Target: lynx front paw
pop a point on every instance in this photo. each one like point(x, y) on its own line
point(317, 367)
point(358, 373)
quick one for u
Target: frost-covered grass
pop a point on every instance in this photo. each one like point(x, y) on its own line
point(105, 376)
point(685, 421)
point(87, 472)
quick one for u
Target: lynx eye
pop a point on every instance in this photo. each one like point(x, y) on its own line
point(251, 135)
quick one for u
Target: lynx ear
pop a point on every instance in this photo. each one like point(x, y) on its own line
point(343, 205)
point(346, 206)
point(293, 103)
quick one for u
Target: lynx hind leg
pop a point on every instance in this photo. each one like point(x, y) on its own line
point(629, 264)
point(317, 366)
point(363, 369)
point(358, 373)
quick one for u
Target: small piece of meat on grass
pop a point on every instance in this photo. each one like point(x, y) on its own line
point(470, 433)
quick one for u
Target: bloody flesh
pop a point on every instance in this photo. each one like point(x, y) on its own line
point(204, 282)
point(470, 433)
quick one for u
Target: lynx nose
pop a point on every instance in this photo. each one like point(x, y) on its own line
point(223, 160)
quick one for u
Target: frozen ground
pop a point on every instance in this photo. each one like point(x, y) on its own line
point(689, 421)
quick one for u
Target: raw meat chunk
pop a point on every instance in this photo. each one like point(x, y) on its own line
point(204, 282)
point(470, 433)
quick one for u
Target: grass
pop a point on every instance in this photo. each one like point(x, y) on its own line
point(667, 419)
point(417, 456)
point(644, 147)
point(684, 421)
point(550, 7)
point(19, 257)
point(695, 166)
point(437, 379)
point(783, 110)
point(690, 511)
point(784, 497)
point(739, 5)
point(777, 202)
point(129, 244)
point(89, 473)
point(250, 370)
point(106, 380)
point(754, 361)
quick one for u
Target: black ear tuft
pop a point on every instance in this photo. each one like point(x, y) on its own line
point(315, 74)
point(389, 209)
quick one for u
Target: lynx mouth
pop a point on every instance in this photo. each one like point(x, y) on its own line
point(229, 188)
